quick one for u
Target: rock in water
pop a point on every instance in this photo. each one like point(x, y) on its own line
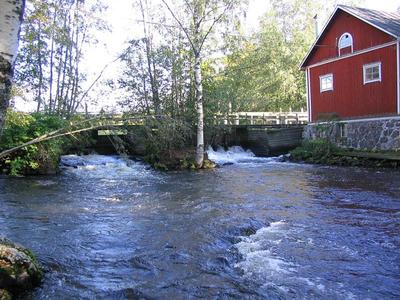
point(19, 269)
point(4, 295)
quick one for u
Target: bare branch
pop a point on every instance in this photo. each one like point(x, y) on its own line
point(46, 138)
point(189, 6)
point(60, 132)
point(157, 23)
point(98, 77)
point(180, 25)
point(216, 20)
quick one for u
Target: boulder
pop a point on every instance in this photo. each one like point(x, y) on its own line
point(19, 269)
point(4, 295)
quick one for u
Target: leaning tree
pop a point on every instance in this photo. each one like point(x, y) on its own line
point(11, 12)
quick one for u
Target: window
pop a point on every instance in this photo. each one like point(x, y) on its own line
point(343, 130)
point(326, 83)
point(345, 41)
point(372, 72)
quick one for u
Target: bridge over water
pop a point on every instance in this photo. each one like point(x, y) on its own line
point(264, 133)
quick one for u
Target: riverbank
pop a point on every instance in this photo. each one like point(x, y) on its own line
point(323, 152)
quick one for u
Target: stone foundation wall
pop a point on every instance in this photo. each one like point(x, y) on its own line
point(373, 134)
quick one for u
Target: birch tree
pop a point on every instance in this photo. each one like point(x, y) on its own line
point(53, 38)
point(11, 12)
point(203, 16)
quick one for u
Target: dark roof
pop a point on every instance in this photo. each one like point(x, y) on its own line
point(388, 22)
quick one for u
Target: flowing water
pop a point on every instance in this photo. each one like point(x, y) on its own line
point(109, 228)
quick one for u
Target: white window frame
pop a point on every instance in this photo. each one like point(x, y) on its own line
point(372, 65)
point(322, 77)
point(346, 46)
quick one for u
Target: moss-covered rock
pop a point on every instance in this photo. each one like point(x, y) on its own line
point(208, 164)
point(5, 295)
point(19, 269)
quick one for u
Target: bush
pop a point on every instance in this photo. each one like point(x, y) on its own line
point(168, 143)
point(39, 158)
point(315, 151)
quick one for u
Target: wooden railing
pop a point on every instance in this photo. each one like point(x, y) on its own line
point(238, 118)
point(263, 118)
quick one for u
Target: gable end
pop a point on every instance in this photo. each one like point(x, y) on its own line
point(365, 35)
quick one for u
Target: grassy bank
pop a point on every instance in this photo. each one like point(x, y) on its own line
point(323, 152)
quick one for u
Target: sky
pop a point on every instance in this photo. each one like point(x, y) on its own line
point(123, 19)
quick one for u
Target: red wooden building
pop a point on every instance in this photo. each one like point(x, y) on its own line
point(352, 70)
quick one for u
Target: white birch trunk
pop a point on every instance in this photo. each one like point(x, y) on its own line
point(10, 22)
point(200, 112)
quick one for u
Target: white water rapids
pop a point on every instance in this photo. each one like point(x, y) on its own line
point(109, 227)
point(235, 155)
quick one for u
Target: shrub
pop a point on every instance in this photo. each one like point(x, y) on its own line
point(21, 128)
point(164, 138)
point(314, 151)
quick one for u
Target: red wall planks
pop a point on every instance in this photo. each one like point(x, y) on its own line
point(350, 97)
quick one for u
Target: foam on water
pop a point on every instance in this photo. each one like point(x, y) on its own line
point(234, 155)
point(77, 161)
point(95, 165)
point(264, 260)
point(259, 259)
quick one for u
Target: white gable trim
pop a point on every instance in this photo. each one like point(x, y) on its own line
point(329, 21)
point(352, 54)
point(318, 37)
point(308, 86)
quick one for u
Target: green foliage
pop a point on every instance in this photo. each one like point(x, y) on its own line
point(263, 74)
point(314, 151)
point(163, 139)
point(21, 128)
point(188, 164)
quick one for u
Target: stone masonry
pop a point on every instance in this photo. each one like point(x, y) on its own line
point(373, 134)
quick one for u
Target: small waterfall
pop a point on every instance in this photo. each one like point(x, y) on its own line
point(235, 155)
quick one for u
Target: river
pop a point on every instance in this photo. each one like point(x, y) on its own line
point(255, 228)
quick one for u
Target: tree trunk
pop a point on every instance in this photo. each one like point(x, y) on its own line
point(11, 12)
point(39, 99)
point(51, 104)
point(200, 113)
point(6, 74)
point(150, 64)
